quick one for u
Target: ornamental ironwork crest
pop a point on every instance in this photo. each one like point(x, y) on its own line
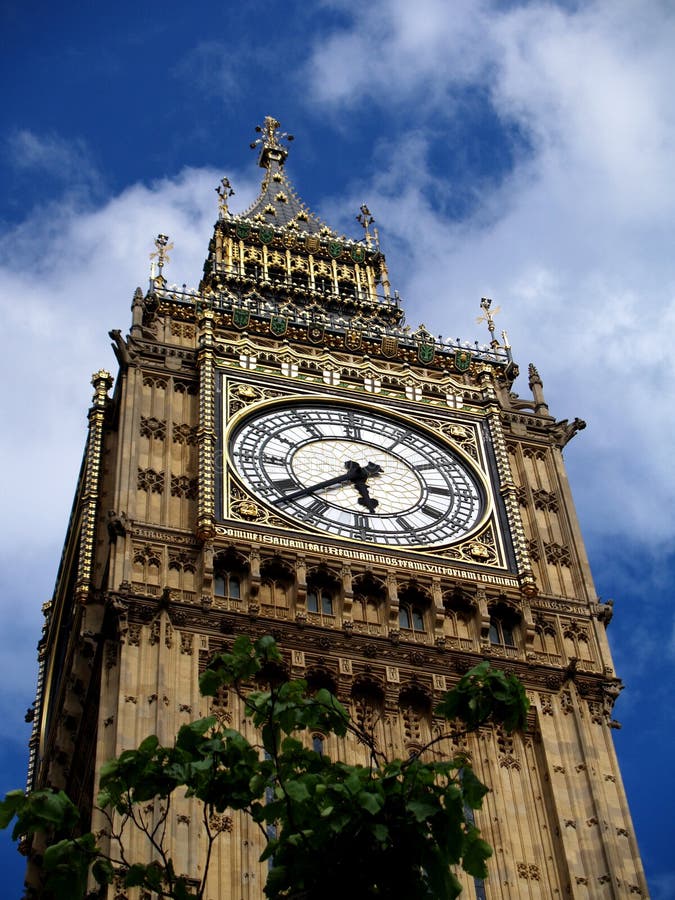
point(278, 325)
point(358, 254)
point(316, 333)
point(241, 317)
point(312, 243)
point(243, 230)
point(426, 352)
point(335, 249)
point(389, 346)
point(462, 360)
point(353, 339)
point(266, 234)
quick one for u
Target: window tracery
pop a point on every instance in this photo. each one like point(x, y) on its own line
point(323, 589)
point(414, 603)
point(503, 626)
point(369, 602)
point(276, 583)
point(230, 570)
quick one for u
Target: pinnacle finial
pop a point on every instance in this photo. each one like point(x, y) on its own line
point(488, 318)
point(161, 254)
point(365, 220)
point(270, 142)
point(224, 191)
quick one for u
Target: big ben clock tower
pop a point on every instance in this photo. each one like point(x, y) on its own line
point(283, 454)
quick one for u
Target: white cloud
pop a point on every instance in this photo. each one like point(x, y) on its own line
point(575, 244)
point(68, 278)
point(68, 162)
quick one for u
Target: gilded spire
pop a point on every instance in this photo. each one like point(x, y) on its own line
point(488, 317)
point(278, 206)
point(272, 150)
point(161, 254)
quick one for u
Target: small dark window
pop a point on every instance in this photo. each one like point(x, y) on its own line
point(411, 618)
point(227, 585)
point(320, 601)
point(501, 633)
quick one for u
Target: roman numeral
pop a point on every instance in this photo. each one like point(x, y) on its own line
point(272, 460)
point(431, 512)
point(316, 507)
point(286, 484)
point(441, 491)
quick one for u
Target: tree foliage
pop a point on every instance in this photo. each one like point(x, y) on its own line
point(390, 829)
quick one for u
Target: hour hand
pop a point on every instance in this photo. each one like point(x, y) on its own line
point(364, 496)
point(358, 476)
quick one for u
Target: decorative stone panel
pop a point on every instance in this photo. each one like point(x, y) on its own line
point(150, 481)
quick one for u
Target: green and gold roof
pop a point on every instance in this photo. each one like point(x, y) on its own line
point(278, 266)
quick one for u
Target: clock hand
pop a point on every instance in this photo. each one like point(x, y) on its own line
point(359, 476)
point(355, 473)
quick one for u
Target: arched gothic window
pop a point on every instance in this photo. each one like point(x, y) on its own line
point(460, 615)
point(229, 572)
point(276, 581)
point(411, 617)
point(503, 625)
point(323, 591)
point(414, 603)
point(320, 600)
point(369, 603)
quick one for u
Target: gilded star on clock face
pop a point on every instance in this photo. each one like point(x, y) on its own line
point(297, 457)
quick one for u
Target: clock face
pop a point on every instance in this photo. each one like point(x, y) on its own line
point(357, 474)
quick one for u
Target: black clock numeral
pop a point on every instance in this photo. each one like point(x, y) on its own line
point(305, 421)
point(431, 512)
point(441, 491)
point(286, 484)
point(315, 508)
point(271, 460)
point(360, 524)
point(352, 430)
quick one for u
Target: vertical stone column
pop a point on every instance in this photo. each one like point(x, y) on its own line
point(102, 382)
point(206, 432)
point(507, 487)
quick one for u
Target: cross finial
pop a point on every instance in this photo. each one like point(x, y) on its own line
point(161, 254)
point(224, 191)
point(270, 142)
point(488, 317)
point(365, 219)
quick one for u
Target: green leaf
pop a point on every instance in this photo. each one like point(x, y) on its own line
point(475, 854)
point(422, 809)
point(103, 871)
point(473, 789)
point(297, 791)
point(149, 745)
point(372, 803)
point(11, 806)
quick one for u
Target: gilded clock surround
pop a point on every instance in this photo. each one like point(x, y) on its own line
point(162, 528)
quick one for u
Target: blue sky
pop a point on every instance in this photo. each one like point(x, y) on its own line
point(522, 151)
